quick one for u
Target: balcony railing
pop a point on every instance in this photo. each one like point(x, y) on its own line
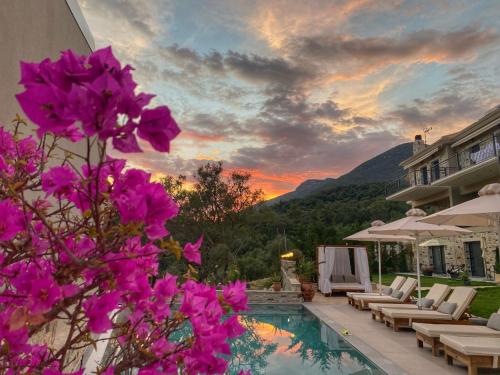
point(467, 158)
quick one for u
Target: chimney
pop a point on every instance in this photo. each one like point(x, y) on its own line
point(418, 144)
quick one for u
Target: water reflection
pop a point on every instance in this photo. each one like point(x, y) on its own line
point(290, 340)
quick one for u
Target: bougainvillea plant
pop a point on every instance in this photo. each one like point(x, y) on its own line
point(80, 235)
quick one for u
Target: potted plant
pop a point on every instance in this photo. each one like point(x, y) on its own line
point(427, 270)
point(305, 272)
point(276, 279)
point(497, 272)
point(464, 275)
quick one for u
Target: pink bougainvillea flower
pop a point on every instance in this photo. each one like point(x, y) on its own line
point(125, 140)
point(59, 181)
point(11, 220)
point(166, 287)
point(160, 208)
point(192, 251)
point(158, 127)
point(233, 327)
point(78, 96)
point(97, 309)
point(234, 295)
point(43, 295)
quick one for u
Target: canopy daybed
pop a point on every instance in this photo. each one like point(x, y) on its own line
point(337, 274)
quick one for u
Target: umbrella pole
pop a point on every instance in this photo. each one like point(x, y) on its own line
point(418, 269)
point(379, 269)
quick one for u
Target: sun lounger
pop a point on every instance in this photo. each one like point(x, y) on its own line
point(474, 352)
point(361, 302)
point(462, 296)
point(430, 333)
point(437, 294)
point(396, 284)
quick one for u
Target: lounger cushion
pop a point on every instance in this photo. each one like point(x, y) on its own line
point(438, 293)
point(426, 303)
point(463, 297)
point(494, 322)
point(375, 298)
point(415, 314)
point(348, 286)
point(387, 290)
point(470, 345)
point(378, 306)
point(447, 308)
point(397, 294)
point(435, 330)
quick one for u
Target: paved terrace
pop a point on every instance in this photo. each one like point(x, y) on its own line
point(395, 352)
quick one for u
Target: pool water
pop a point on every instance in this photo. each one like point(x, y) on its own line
point(287, 340)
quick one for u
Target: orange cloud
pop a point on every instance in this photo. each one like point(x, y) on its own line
point(274, 185)
point(201, 137)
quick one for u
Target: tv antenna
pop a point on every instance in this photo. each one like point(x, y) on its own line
point(426, 131)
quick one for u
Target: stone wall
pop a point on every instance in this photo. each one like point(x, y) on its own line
point(289, 278)
point(266, 296)
point(455, 253)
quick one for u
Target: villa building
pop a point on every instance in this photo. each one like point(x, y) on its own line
point(450, 171)
point(32, 31)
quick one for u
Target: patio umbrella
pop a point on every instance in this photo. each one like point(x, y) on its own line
point(483, 211)
point(411, 226)
point(365, 235)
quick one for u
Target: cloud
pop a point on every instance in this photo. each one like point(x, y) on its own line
point(277, 21)
point(313, 151)
point(250, 67)
point(353, 57)
point(445, 112)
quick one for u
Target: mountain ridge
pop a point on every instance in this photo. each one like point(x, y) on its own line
point(381, 168)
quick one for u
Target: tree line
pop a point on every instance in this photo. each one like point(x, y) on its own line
point(244, 237)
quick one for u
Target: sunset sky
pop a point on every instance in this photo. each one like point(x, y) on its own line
point(294, 90)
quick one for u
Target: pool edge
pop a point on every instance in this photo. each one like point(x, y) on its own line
point(367, 350)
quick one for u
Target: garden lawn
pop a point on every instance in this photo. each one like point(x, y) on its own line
point(486, 302)
point(428, 281)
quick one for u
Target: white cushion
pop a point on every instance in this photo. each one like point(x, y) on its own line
point(435, 330)
point(402, 306)
point(472, 345)
point(415, 314)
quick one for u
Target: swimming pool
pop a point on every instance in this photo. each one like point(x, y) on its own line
point(287, 340)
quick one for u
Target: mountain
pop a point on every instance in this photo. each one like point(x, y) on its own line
point(381, 168)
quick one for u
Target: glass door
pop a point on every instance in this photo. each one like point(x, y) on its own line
point(474, 256)
point(438, 262)
point(435, 172)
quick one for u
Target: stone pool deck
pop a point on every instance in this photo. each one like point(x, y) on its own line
point(395, 352)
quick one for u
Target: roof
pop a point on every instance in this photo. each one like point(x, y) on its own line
point(81, 22)
point(430, 149)
point(489, 120)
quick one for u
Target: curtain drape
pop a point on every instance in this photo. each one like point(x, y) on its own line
point(321, 266)
point(326, 285)
point(362, 268)
point(342, 265)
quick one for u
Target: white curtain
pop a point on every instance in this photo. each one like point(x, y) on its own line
point(321, 266)
point(342, 265)
point(362, 269)
point(325, 285)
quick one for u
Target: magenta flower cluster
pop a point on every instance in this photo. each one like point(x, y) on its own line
point(80, 244)
point(78, 96)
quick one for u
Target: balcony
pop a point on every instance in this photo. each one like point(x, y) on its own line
point(414, 186)
point(472, 165)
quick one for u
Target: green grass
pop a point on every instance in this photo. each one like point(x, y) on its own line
point(487, 300)
point(428, 281)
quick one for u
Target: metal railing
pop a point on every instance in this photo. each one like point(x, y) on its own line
point(467, 158)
